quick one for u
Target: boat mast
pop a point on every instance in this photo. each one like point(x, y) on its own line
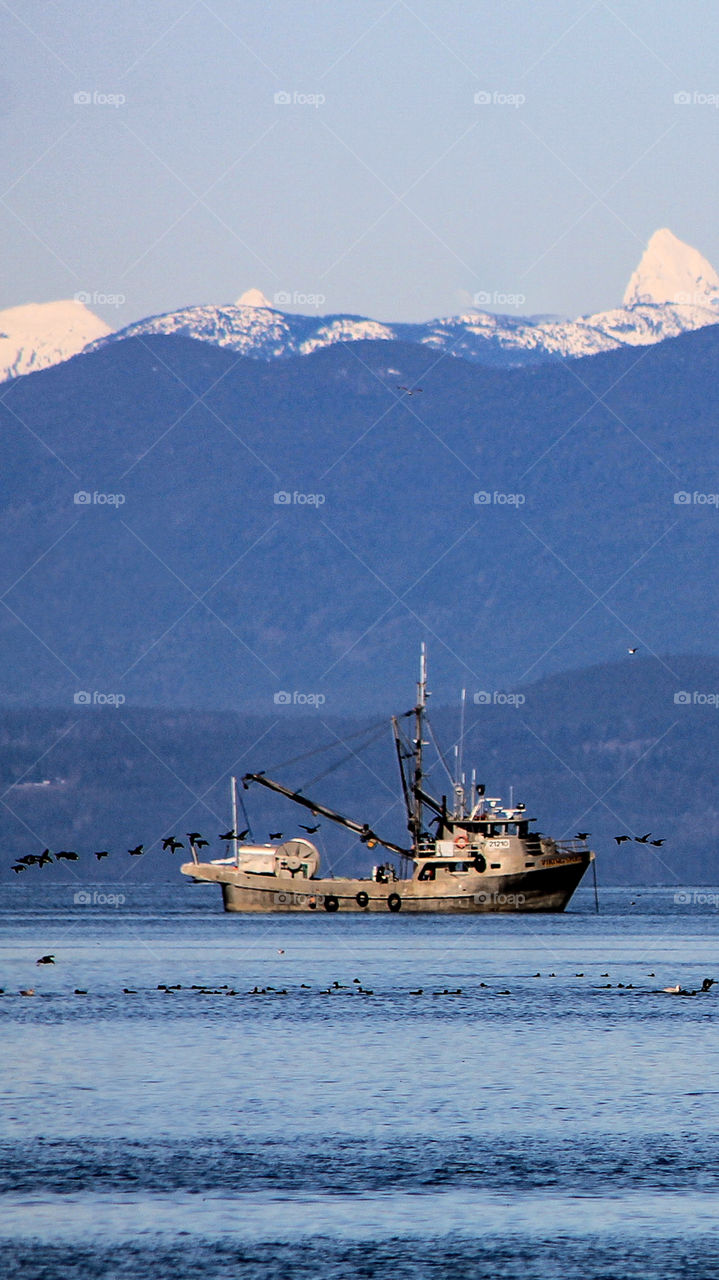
point(235, 847)
point(418, 717)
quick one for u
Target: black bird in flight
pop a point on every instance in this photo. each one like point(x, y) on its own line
point(137, 851)
point(193, 836)
point(631, 650)
point(30, 859)
point(583, 835)
point(67, 854)
point(19, 868)
point(410, 391)
point(45, 960)
point(642, 839)
point(202, 844)
point(275, 835)
point(242, 835)
point(45, 857)
point(229, 835)
point(102, 853)
point(622, 839)
point(172, 844)
point(310, 830)
point(658, 843)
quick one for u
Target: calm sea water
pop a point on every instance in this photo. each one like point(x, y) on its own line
point(499, 1124)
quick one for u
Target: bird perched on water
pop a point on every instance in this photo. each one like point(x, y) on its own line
point(172, 844)
point(101, 853)
point(137, 852)
point(310, 830)
point(622, 839)
point(642, 839)
point(67, 854)
point(45, 960)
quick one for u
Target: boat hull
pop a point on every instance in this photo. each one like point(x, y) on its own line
point(547, 888)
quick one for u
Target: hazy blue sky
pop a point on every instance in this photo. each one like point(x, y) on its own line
point(398, 195)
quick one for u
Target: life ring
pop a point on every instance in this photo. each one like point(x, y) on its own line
point(331, 902)
point(394, 902)
point(480, 863)
point(461, 842)
point(362, 899)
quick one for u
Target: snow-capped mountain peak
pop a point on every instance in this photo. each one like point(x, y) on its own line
point(253, 298)
point(41, 334)
point(672, 271)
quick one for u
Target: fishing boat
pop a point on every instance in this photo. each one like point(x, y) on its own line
point(473, 855)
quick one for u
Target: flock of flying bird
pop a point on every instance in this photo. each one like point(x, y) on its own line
point(197, 841)
point(170, 843)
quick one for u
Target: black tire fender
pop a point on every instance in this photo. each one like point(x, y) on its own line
point(331, 902)
point(362, 899)
point(394, 902)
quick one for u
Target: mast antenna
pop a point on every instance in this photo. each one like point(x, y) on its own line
point(418, 718)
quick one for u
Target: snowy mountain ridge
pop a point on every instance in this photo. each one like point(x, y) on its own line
point(673, 290)
point(42, 334)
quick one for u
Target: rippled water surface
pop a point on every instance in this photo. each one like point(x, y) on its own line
point(359, 1096)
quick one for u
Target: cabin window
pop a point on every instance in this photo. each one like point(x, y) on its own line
point(426, 873)
point(459, 866)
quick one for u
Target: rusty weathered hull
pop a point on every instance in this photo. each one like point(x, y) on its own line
point(542, 889)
